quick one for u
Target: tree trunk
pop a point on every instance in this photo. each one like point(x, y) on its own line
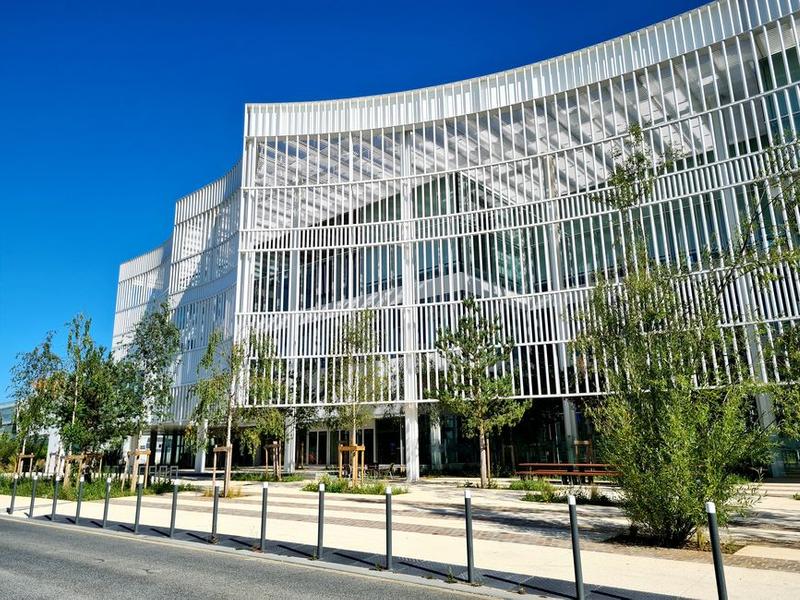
point(129, 466)
point(482, 438)
point(278, 463)
point(488, 460)
point(353, 455)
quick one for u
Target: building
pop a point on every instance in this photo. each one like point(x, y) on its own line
point(7, 411)
point(407, 202)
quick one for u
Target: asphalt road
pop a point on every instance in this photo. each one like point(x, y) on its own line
point(38, 560)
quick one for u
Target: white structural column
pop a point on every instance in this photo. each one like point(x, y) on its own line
point(290, 443)
point(53, 452)
point(407, 229)
point(436, 445)
point(557, 307)
point(200, 455)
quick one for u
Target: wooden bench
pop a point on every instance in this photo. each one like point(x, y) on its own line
point(568, 472)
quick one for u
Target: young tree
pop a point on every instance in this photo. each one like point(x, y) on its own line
point(357, 378)
point(36, 386)
point(473, 386)
point(92, 397)
point(678, 416)
point(150, 361)
point(676, 428)
point(785, 352)
point(220, 380)
point(262, 424)
point(98, 394)
point(266, 377)
point(152, 353)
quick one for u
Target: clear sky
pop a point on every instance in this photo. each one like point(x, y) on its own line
point(112, 110)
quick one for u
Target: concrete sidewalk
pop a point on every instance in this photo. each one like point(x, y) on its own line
point(511, 536)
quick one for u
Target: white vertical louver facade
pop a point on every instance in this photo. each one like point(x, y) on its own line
point(406, 203)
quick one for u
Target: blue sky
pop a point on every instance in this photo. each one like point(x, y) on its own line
point(110, 111)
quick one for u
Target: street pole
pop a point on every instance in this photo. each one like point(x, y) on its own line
point(716, 550)
point(213, 538)
point(320, 520)
point(174, 514)
point(10, 509)
point(80, 499)
point(470, 554)
point(389, 528)
point(576, 548)
point(264, 492)
point(55, 498)
point(138, 505)
point(35, 479)
point(105, 505)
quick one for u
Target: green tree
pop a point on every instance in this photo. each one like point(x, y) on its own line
point(153, 352)
point(266, 381)
point(677, 429)
point(35, 387)
point(356, 377)
point(785, 352)
point(150, 362)
point(263, 424)
point(90, 397)
point(8, 452)
point(474, 385)
point(678, 419)
point(98, 394)
point(220, 375)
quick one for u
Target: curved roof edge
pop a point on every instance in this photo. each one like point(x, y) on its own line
point(146, 261)
point(186, 207)
point(702, 26)
point(209, 195)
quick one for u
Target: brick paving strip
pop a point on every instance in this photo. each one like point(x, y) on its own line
point(749, 562)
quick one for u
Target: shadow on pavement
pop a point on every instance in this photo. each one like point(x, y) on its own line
point(513, 582)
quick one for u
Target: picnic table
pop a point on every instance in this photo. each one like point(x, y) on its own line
point(568, 472)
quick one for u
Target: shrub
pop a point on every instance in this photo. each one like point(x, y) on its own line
point(343, 486)
point(251, 476)
point(527, 485)
point(8, 452)
point(540, 490)
point(92, 490)
point(233, 492)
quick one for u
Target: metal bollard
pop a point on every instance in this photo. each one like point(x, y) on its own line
point(34, 480)
point(174, 509)
point(213, 539)
point(10, 509)
point(264, 492)
point(470, 555)
point(55, 498)
point(576, 548)
point(716, 550)
point(80, 499)
point(320, 519)
point(108, 497)
point(389, 528)
point(138, 505)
